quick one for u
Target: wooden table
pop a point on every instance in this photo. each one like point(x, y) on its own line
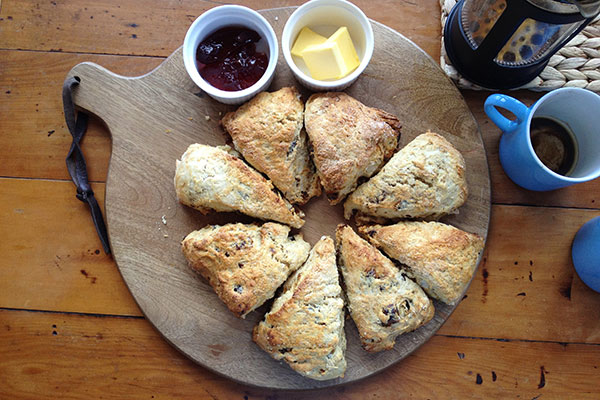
point(529, 328)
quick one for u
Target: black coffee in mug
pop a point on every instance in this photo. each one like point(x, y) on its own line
point(554, 145)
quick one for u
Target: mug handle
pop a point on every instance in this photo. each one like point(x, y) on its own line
point(508, 103)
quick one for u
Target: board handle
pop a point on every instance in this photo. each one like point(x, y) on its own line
point(99, 89)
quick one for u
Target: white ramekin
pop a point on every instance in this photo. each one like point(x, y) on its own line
point(333, 13)
point(221, 17)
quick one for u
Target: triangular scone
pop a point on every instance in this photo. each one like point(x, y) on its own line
point(268, 131)
point(211, 178)
point(440, 257)
point(245, 264)
point(383, 302)
point(305, 327)
point(349, 140)
point(425, 179)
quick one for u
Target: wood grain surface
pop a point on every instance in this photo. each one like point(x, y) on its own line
point(154, 118)
point(110, 350)
point(520, 322)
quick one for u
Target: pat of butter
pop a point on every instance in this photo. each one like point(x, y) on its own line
point(306, 38)
point(333, 59)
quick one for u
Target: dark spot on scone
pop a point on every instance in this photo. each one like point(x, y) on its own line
point(406, 305)
point(392, 312)
point(241, 265)
point(379, 198)
point(401, 205)
point(292, 146)
point(313, 307)
point(371, 233)
point(284, 350)
point(226, 254)
point(238, 289)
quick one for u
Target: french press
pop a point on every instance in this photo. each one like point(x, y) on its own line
point(503, 44)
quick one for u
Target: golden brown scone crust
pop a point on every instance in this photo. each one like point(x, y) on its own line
point(425, 179)
point(245, 264)
point(349, 140)
point(383, 302)
point(268, 131)
point(212, 178)
point(440, 257)
point(305, 327)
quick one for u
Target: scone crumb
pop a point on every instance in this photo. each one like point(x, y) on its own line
point(164, 220)
point(207, 117)
point(168, 131)
point(165, 235)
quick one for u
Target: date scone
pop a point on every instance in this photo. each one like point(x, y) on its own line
point(245, 264)
point(425, 179)
point(305, 327)
point(383, 302)
point(212, 178)
point(268, 131)
point(349, 140)
point(440, 257)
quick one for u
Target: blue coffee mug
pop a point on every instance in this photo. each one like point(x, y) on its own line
point(577, 109)
point(586, 253)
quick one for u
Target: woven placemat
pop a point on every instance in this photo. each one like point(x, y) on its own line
point(577, 64)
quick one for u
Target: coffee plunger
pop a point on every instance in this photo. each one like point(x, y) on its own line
point(504, 44)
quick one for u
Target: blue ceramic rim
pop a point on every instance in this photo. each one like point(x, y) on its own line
point(532, 111)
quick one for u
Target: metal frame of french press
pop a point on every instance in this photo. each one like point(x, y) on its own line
point(478, 65)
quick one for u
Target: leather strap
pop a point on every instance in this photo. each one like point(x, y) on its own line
point(77, 125)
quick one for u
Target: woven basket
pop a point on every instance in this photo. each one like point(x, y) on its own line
point(577, 64)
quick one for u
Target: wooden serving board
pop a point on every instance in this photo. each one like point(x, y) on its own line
point(155, 117)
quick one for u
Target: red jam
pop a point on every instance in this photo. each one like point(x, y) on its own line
point(228, 59)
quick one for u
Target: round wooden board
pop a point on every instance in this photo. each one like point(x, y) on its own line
point(155, 117)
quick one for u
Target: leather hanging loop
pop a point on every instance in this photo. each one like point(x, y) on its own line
point(77, 125)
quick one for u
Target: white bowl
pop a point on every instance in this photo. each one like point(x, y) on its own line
point(221, 17)
point(324, 17)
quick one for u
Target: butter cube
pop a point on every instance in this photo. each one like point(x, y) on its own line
point(344, 41)
point(333, 59)
point(306, 38)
